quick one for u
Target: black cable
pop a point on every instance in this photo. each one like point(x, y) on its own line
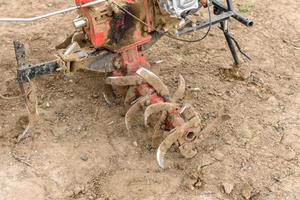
point(197, 40)
point(238, 46)
point(167, 33)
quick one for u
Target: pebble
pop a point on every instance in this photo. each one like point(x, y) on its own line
point(84, 157)
point(227, 187)
point(135, 144)
point(247, 191)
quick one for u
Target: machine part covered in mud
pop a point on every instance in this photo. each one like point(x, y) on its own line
point(153, 97)
point(111, 38)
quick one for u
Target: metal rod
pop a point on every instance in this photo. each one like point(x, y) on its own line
point(230, 44)
point(204, 24)
point(31, 19)
point(236, 15)
point(229, 5)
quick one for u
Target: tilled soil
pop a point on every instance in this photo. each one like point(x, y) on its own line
point(80, 148)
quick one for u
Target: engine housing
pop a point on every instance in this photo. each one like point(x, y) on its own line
point(180, 8)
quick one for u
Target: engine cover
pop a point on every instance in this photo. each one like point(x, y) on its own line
point(180, 8)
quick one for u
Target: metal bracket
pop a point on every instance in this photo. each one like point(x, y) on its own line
point(26, 72)
point(100, 61)
point(225, 12)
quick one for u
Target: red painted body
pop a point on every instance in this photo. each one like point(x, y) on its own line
point(132, 57)
point(98, 34)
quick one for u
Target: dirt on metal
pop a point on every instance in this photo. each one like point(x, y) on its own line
point(80, 148)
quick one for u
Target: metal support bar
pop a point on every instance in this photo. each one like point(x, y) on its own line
point(229, 5)
point(29, 72)
point(230, 43)
point(225, 15)
point(236, 15)
point(21, 60)
point(204, 24)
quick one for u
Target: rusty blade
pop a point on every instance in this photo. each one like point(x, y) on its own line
point(156, 108)
point(165, 146)
point(109, 95)
point(130, 97)
point(133, 110)
point(179, 94)
point(172, 138)
point(154, 81)
point(124, 80)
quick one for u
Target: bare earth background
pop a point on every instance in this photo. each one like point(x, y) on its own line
point(80, 149)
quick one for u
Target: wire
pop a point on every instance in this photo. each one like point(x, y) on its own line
point(196, 40)
point(168, 34)
point(239, 48)
point(31, 19)
point(132, 15)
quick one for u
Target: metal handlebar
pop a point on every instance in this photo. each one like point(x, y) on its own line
point(35, 18)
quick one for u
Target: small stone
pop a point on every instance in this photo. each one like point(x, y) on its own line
point(158, 61)
point(76, 144)
point(135, 144)
point(84, 157)
point(227, 187)
point(195, 89)
point(247, 191)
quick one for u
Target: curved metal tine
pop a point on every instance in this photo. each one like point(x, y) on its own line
point(154, 81)
point(130, 97)
point(162, 118)
point(109, 95)
point(158, 107)
point(124, 80)
point(172, 138)
point(165, 146)
point(133, 109)
point(179, 94)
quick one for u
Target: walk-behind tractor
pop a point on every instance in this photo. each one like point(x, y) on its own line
point(112, 36)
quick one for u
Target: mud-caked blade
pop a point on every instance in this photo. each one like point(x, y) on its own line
point(124, 80)
point(154, 81)
point(179, 94)
point(134, 109)
point(174, 135)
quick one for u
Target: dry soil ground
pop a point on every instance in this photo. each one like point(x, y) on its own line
point(80, 148)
